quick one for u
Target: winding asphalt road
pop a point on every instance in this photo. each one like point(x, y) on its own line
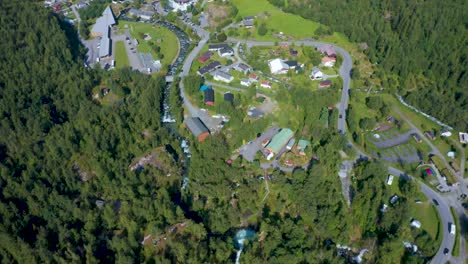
point(345, 70)
point(445, 216)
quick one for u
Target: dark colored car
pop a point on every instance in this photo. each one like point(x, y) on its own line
point(435, 202)
point(446, 251)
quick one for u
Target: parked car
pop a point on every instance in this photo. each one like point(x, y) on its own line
point(435, 202)
point(446, 251)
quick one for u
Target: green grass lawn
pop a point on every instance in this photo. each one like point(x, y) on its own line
point(168, 40)
point(277, 21)
point(429, 218)
point(121, 58)
point(456, 244)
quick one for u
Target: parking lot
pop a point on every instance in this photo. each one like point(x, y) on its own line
point(390, 138)
point(249, 150)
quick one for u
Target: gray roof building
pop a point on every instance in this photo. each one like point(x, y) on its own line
point(292, 64)
point(248, 23)
point(216, 47)
point(101, 27)
point(210, 67)
point(198, 129)
point(104, 50)
point(147, 15)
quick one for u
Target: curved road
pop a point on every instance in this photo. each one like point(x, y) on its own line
point(445, 216)
point(345, 70)
point(345, 73)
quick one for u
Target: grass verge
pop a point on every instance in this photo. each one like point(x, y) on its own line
point(456, 244)
point(121, 57)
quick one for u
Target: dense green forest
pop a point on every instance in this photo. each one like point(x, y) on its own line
point(67, 193)
point(419, 45)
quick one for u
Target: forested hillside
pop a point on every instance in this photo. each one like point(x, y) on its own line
point(420, 45)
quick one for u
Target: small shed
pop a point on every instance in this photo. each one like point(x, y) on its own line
point(326, 83)
point(290, 144)
point(302, 145)
point(229, 97)
point(209, 97)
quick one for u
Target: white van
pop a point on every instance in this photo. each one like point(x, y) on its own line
point(452, 228)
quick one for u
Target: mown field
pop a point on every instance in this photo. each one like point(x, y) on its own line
point(121, 57)
point(160, 36)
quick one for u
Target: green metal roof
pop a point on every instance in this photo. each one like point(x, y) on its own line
point(302, 144)
point(279, 140)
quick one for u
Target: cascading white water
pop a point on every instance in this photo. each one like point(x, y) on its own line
point(241, 247)
point(239, 240)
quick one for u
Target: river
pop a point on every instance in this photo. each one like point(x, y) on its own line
point(168, 119)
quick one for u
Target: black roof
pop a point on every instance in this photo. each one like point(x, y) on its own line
point(218, 46)
point(226, 50)
point(196, 126)
point(210, 67)
point(209, 95)
point(229, 97)
point(291, 63)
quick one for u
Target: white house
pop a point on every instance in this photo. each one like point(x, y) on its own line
point(223, 77)
point(316, 74)
point(226, 52)
point(245, 82)
point(181, 5)
point(328, 61)
point(415, 223)
point(265, 84)
point(277, 66)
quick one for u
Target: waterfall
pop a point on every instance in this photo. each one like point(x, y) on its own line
point(239, 240)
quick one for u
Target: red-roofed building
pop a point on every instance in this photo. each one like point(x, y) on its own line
point(265, 84)
point(205, 57)
point(326, 83)
point(328, 61)
point(253, 77)
point(329, 50)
